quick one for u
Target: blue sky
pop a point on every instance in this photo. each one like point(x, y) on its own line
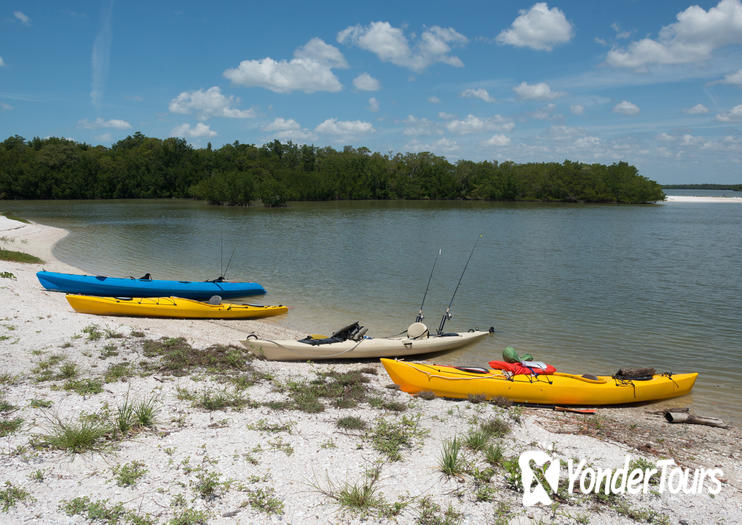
point(655, 83)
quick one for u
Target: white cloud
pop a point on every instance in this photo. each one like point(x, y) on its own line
point(665, 137)
point(310, 70)
point(373, 104)
point(695, 35)
point(5, 107)
point(288, 129)
point(577, 109)
point(441, 146)
point(479, 93)
point(101, 123)
point(345, 128)
point(318, 50)
point(104, 137)
point(434, 100)
point(698, 109)
point(101, 57)
point(366, 82)
point(626, 108)
point(2, 62)
point(208, 104)
point(390, 44)
point(498, 140)
point(733, 114)
point(24, 19)
point(446, 116)
point(733, 78)
point(538, 28)
point(473, 124)
point(540, 91)
point(419, 126)
point(197, 131)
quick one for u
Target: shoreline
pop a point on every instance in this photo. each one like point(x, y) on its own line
point(241, 462)
point(699, 199)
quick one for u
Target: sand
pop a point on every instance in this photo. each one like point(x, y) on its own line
point(684, 198)
point(236, 465)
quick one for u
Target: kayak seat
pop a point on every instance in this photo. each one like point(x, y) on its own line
point(316, 342)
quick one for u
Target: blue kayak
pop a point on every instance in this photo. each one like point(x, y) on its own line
point(144, 287)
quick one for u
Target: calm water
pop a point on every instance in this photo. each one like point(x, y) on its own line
point(587, 288)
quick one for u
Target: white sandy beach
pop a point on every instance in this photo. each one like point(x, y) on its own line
point(243, 464)
point(689, 198)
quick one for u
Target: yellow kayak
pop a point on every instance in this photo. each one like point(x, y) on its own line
point(175, 307)
point(557, 388)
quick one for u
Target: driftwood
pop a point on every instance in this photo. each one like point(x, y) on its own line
point(683, 415)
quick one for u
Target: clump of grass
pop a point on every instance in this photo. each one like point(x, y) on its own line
point(11, 494)
point(178, 357)
point(266, 426)
point(67, 371)
point(210, 400)
point(145, 412)
point(93, 332)
point(8, 275)
point(476, 398)
point(117, 372)
point(345, 389)
point(137, 333)
point(496, 427)
point(85, 386)
point(502, 402)
point(128, 474)
point(351, 423)
point(190, 517)
point(493, 454)
point(429, 514)
point(393, 406)
point(21, 257)
point(389, 437)
point(101, 511)
point(477, 439)
point(13, 217)
point(8, 426)
point(207, 485)
point(426, 395)
point(360, 497)
point(451, 463)
point(265, 501)
point(40, 403)
point(75, 437)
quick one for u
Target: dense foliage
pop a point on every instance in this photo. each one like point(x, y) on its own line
point(144, 167)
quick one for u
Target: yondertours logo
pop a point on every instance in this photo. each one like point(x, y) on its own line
point(541, 473)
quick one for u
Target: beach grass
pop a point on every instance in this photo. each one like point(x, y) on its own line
point(75, 436)
point(13, 217)
point(451, 463)
point(21, 257)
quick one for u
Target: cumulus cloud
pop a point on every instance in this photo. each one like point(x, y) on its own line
point(310, 70)
point(473, 124)
point(434, 100)
point(22, 17)
point(498, 140)
point(366, 82)
point(101, 123)
point(538, 28)
point(198, 131)
point(390, 44)
point(207, 104)
point(733, 114)
point(695, 35)
point(373, 104)
point(698, 109)
point(479, 93)
point(2, 62)
point(288, 129)
point(577, 109)
point(540, 91)
point(345, 128)
point(733, 78)
point(626, 108)
point(319, 51)
point(418, 126)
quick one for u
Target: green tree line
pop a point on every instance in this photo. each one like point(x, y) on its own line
point(274, 173)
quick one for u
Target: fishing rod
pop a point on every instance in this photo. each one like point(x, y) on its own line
point(447, 314)
point(229, 262)
point(420, 315)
